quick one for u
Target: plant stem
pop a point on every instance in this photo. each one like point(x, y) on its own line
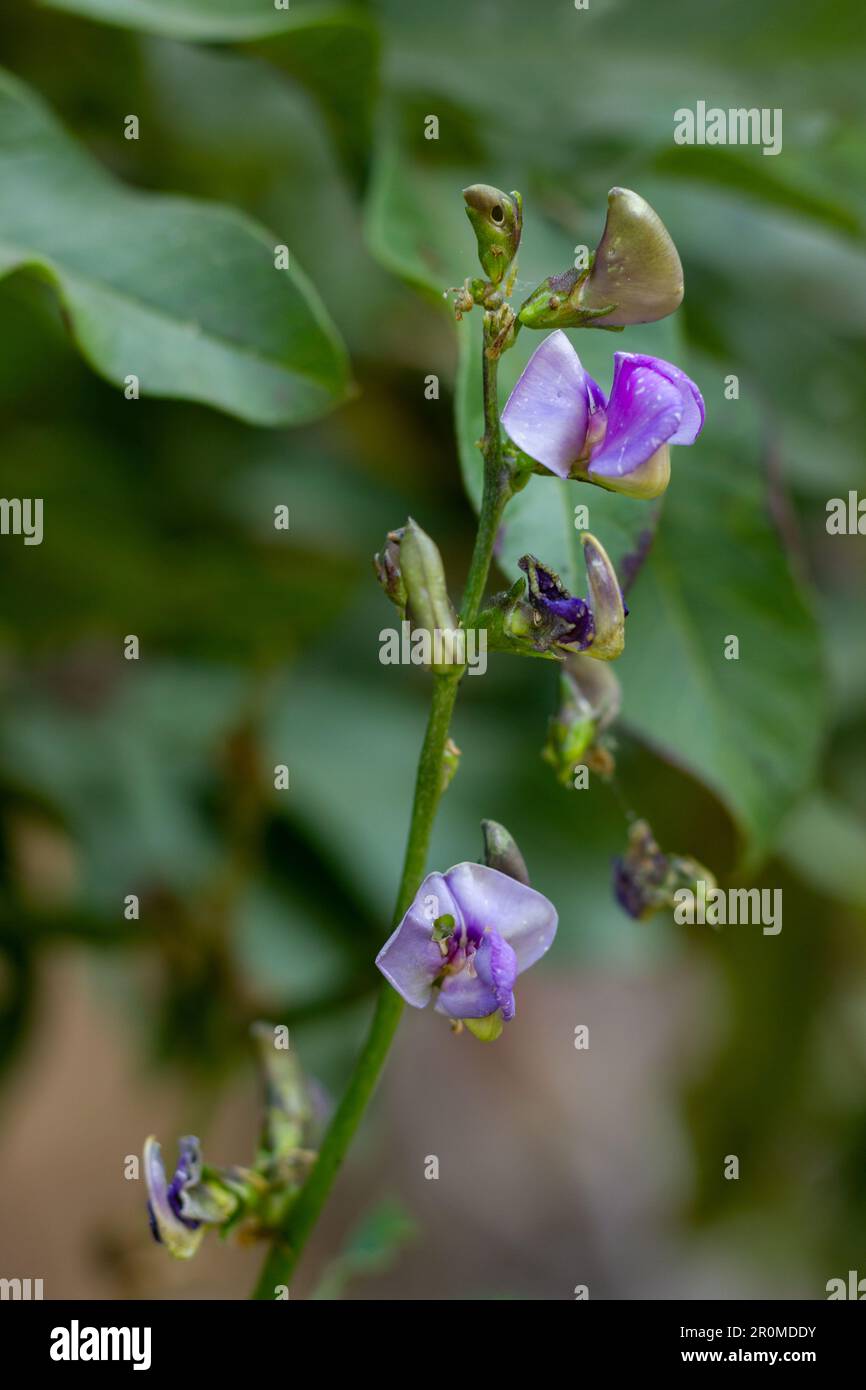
point(497, 489)
point(304, 1212)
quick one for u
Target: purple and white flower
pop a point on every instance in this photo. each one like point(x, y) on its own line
point(170, 1221)
point(464, 940)
point(560, 417)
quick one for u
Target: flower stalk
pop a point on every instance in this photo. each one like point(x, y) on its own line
point(558, 421)
point(304, 1210)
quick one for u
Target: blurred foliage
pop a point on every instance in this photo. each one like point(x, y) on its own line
point(372, 1247)
point(260, 647)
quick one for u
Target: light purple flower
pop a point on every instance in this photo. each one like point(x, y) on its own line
point(467, 936)
point(561, 418)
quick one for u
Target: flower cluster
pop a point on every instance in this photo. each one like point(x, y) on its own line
point(198, 1198)
point(469, 932)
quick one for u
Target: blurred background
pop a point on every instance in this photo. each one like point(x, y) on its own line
point(557, 1167)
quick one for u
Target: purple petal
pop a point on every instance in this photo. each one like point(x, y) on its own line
point(577, 613)
point(187, 1172)
point(521, 915)
point(410, 958)
point(181, 1237)
point(547, 412)
point(548, 597)
point(496, 965)
point(597, 398)
point(645, 410)
point(466, 996)
point(692, 400)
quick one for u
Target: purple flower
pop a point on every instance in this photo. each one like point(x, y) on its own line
point(467, 935)
point(571, 616)
point(170, 1223)
point(560, 619)
point(561, 418)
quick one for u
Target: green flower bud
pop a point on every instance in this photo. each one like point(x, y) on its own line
point(589, 703)
point(635, 275)
point(501, 852)
point(606, 602)
point(497, 220)
point(429, 606)
point(287, 1109)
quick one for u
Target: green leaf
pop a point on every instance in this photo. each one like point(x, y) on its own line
point(414, 222)
point(738, 170)
point(824, 842)
point(373, 1247)
point(181, 294)
point(750, 727)
point(212, 21)
point(331, 51)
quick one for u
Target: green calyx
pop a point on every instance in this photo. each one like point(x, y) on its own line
point(486, 1029)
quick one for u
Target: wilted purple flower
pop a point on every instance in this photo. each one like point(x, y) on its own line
point(646, 879)
point(595, 625)
point(172, 1226)
point(561, 418)
point(467, 935)
point(197, 1198)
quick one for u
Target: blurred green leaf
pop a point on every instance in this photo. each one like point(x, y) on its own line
point(331, 51)
point(825, 843)
point(737, 169)
point(182, 295)
point(372, 1248)
point(212, 21)
point(750, 727)
point(415, 223)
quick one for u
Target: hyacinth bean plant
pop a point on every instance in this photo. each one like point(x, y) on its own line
point(462, 935)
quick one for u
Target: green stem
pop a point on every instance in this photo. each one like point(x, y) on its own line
point(497, 489)
point(304, 1212)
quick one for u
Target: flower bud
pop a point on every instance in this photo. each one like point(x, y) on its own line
point(606, 602)
point(387, 566)
point(497, 220)
point(636, 275)
point(636, 266)
point(501, 852)
point(589, 703)
point(429, 606)
point(287, 1107)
